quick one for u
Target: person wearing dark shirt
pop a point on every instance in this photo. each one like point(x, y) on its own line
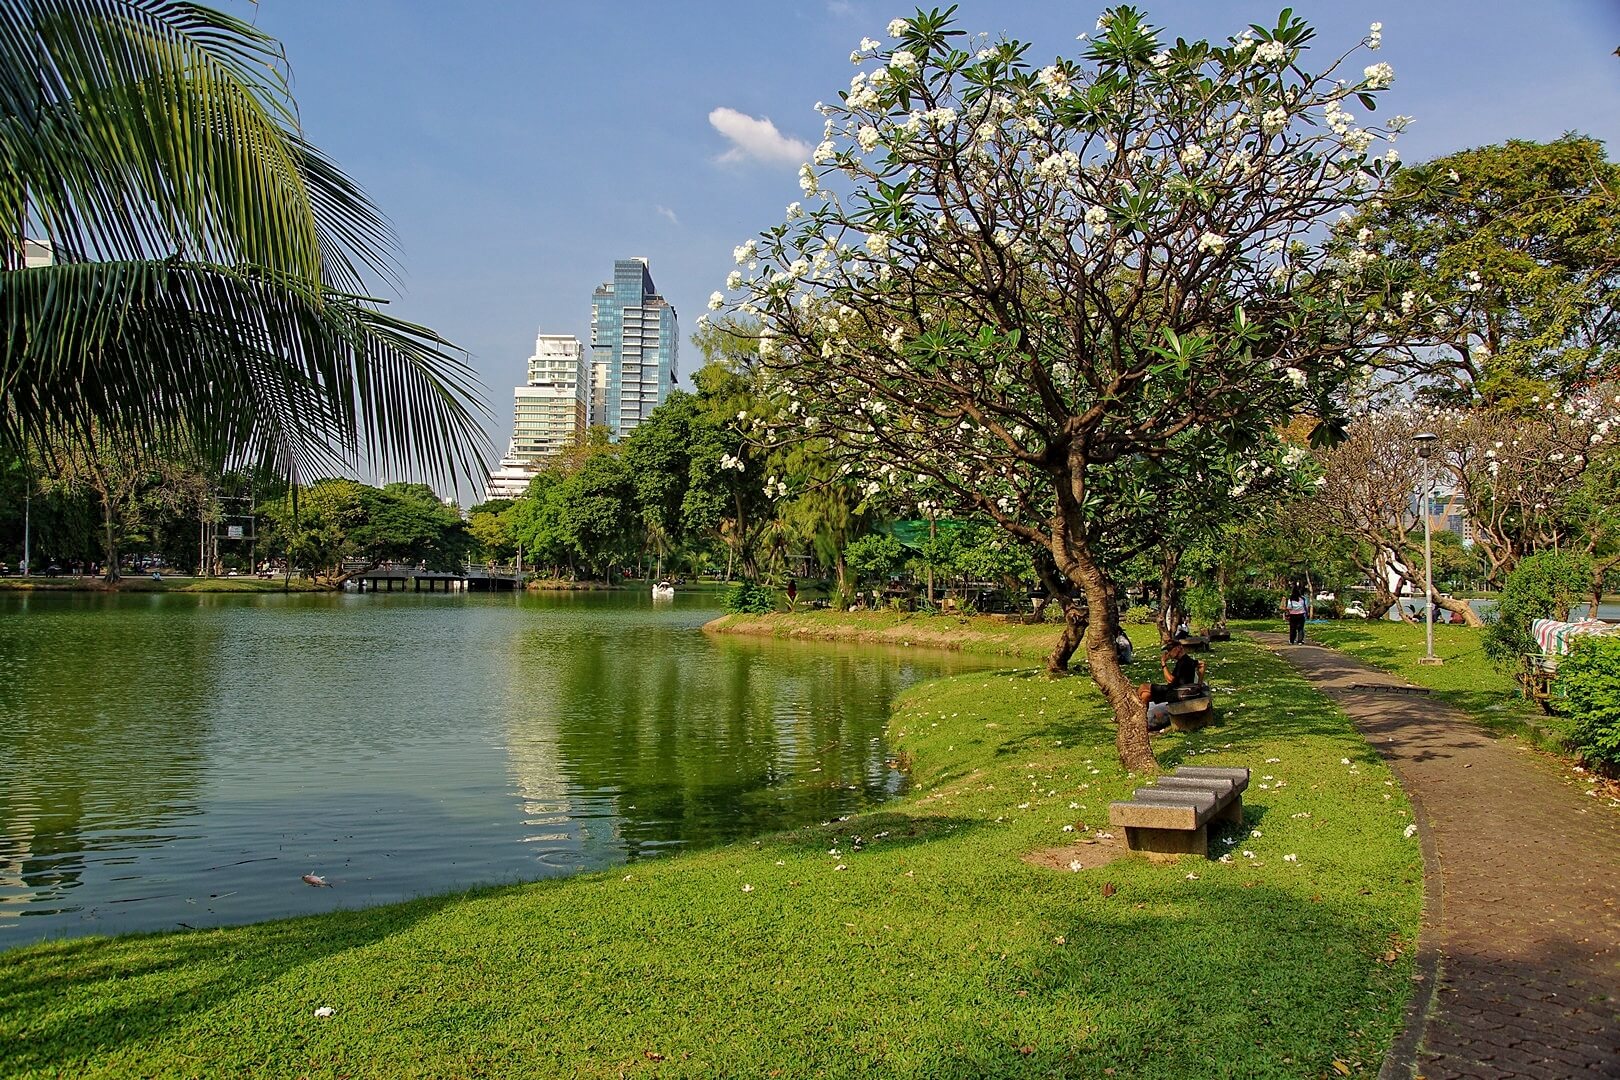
point(1180, 670)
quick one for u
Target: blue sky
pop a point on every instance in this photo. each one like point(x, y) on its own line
point(520, 148)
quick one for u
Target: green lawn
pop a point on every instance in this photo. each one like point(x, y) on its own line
point(927, 948)
point(1467, 679)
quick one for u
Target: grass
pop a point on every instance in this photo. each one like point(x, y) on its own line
point(1466, 679)
point(983, 634)
point(928, 948)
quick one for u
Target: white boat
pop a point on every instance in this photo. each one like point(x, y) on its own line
point(663, 591)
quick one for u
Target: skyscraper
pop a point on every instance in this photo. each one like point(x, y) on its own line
point(635, 339)
point(548, 413)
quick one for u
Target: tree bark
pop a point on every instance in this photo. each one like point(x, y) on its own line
point(1075, 618)
point(1170, 613)
point(1130, 717)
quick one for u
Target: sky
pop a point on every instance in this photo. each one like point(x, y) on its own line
point(520, 148)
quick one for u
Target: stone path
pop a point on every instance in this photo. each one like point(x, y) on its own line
point(1520, 952)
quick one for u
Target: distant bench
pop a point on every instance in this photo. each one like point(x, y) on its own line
point(1172, 816)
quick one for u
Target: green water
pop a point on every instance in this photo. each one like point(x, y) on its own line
point(182, 760)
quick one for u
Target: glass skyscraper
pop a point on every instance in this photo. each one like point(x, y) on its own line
point(635, 339)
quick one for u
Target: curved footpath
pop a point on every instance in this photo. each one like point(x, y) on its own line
point(1519, 958)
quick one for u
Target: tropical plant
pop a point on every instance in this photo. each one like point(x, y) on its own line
point(209, 271)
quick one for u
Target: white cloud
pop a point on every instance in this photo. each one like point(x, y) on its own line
point(666, 212)
point(841, 9)
point(757, 139)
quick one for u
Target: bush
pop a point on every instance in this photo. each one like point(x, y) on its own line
point(1542, 586)
point(1249, 602)
point(1203, 604)
point(1140, 615)
point(1590, 680)
point(750, 598)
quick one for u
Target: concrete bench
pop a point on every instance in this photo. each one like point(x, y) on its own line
point(1191, 707)
point(1171, 817)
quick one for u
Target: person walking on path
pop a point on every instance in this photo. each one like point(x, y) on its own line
point(1296, 608)
point(1519, 954)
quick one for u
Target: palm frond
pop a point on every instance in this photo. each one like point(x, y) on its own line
point(260, 371)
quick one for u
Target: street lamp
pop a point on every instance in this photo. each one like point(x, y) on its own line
point(1425, 446)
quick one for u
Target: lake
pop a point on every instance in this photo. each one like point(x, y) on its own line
point(171, 760)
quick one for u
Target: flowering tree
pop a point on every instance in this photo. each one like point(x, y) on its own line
point(1024, 286)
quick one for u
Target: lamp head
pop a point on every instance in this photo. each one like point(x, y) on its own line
point(1424, 440)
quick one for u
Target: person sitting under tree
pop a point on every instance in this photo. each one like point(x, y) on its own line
point(1180, 670)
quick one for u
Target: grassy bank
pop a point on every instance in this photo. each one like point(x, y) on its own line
point(1466, 679)
point(982, 634)
point(147, 584)
point(914, 940)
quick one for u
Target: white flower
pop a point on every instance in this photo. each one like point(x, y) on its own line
point(1411, 831)
point(903, 61)
point(807, 179)
point(1248, 854)
point(868, 137)
point(1192, 154)
point(878, 244)
point(1053, 78)
point(1096, 216)
point(748, 888)
point(1375, 35)
point(1378, 76)
point(825, 151)
point(743, 252)
point(898, 27)
point(734, 279)
point(1160, 59)
point(1074, 865)
point(1295, 376)
point(324, 1011)
point(1269, 52)
point(868, 44)
point(1068, 828)
point(1212, 242)
point(1290, 858)
point(717, 300)
point(1274, 120)
point(1451, 174)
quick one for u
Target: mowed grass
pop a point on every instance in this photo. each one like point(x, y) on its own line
point(1466, 679)
point(928, 947)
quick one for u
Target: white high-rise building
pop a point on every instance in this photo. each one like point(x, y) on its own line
point(548, 413)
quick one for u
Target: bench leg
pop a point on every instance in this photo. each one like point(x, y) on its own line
point(1166, 845)
point(1232, 811)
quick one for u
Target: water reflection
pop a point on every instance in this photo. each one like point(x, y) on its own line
point(182, 760)
point(101, 736)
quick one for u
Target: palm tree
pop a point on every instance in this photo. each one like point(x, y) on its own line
point(212, 271)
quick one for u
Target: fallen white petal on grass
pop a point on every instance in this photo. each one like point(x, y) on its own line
point(1272, 760)
point(1192, 877)
point(840, 866)
point(1290, 858)
point(1068, 828)
point(1074, 864)
point(1248, 854)
point(1411, 830)
point(324, 1011)
point(748, 888)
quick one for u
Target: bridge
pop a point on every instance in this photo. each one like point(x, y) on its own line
point(473, 577)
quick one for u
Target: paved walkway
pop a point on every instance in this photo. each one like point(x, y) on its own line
point(1520, 952)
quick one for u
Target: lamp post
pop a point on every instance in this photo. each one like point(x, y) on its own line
point(1425, 446)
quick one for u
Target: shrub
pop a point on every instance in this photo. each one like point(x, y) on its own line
point(1542, 586)
point(1590, 680)
point(1140, 615)
point(1250, 602)
point(750, 598)
point(1203, 604)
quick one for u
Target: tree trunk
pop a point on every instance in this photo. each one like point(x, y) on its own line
point(1130, 717)
point(1075, 617)
point(109, 540)
point(1170, 613)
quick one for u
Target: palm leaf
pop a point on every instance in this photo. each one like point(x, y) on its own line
point(215, 264)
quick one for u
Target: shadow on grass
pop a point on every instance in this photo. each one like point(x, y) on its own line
point(32, 983)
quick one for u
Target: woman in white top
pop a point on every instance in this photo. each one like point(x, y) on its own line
point(1296, 607)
